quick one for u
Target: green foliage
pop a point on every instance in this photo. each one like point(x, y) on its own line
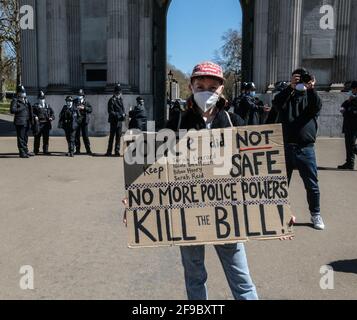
point(5, 107)
point(182, 79)
point(229, 56)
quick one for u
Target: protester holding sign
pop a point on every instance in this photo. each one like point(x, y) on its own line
point(220, 187)
point(298, 108)
point(206, 111)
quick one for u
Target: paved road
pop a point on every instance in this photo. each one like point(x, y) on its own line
point(63, 217)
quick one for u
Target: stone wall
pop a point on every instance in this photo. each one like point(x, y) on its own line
point(99, 125)
point(330, 120)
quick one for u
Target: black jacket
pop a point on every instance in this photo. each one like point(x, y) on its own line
point(175, 119)
point(23, 112)
point(138, 118)
point(116, 110)
point(298, 113)
point(192, 118)
point(43, 114)
point(70, 118)
point(251, 110)
point(85, 114)
point(350, 115)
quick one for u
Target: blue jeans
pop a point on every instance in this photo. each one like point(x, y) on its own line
point(234, 262)
point(304, 160)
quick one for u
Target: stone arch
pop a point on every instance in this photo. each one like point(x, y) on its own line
point(161, 8)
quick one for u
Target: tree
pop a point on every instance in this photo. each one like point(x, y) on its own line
point(182, 79)
point(229, 56)
point(10, 37)
point(2, 76)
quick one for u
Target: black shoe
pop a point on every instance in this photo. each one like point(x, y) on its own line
point(30, 154)
point(90, 153)
point(71, 155)
point(78, 153)
point(346, 166)
point(117, 153)
point(24, 156)
point(108, 154)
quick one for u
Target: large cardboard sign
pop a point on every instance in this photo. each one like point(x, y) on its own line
point(210, 187)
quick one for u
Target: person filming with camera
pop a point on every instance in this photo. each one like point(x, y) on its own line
point(298, 108)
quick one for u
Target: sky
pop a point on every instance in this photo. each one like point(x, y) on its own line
point(195, 29)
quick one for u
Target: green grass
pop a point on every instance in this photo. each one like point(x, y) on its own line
point(5, 107)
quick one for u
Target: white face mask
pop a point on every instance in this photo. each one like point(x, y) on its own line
point(301, 87)
point(206, 100)
point(69, 104)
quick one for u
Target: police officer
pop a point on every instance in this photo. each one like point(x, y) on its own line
point(237, 100)
point(274, 116)
point(251, 109)
point(23, 120)
point(349, 111)
point(138, 116)
point(69, 121)
point(175, 116)
point(85, 110)
point(44, 115)
point(117, 115)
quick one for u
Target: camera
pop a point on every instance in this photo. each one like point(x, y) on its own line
point(306, 77)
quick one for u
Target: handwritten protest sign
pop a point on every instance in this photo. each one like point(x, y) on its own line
point(211, 187)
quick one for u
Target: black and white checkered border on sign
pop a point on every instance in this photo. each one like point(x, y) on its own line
point(204, 181)
point(213, 204)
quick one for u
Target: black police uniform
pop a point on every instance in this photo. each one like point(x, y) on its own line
point(23, 121)
point(117, 115)
point(44, 126)
point(251, 110)
point(350, 131)
point(69, 120)
point(138, 117)
point(83, 126)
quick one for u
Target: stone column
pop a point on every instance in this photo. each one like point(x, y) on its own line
point(261, 44)
point(248, 39)
point(134, 43)
point(29, 53)
point(352, 75)
point(118, 42)
point(74, 43)
point(146, 48)
point(289, 37)
point(57, 41)
point(273, 40)
point(42, 46)
point(341, 63)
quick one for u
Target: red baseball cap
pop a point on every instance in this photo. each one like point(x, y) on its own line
point(208, 69)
